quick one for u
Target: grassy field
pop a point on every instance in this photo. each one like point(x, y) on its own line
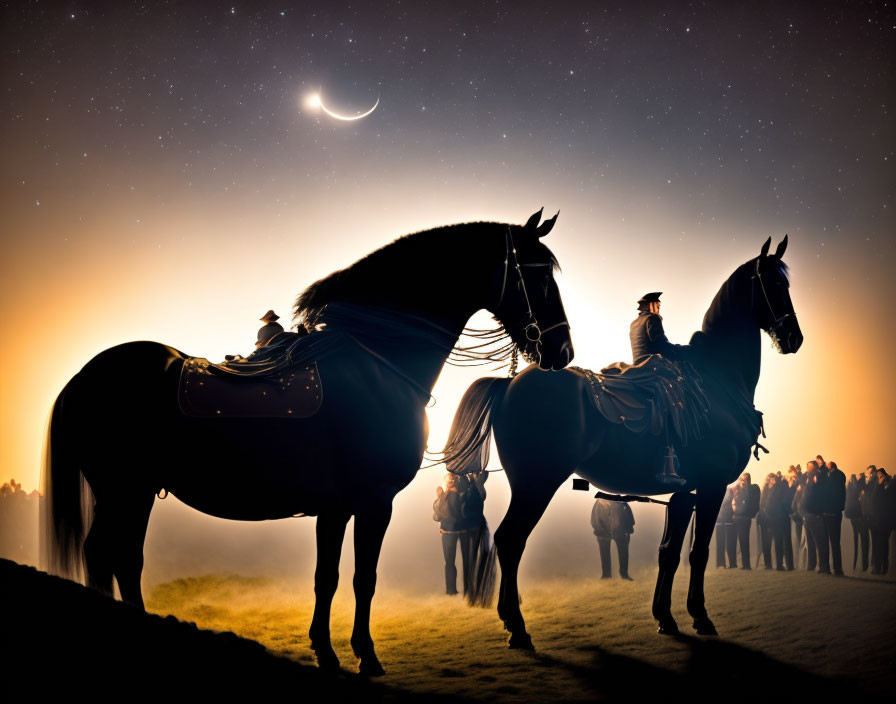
point(782, 633)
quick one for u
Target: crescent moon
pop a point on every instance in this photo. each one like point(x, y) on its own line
point(320, 102)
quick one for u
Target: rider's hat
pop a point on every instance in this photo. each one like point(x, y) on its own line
point(269, 317)
point(650, 297)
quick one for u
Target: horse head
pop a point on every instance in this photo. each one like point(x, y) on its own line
point(529, 304)
point(772, 306)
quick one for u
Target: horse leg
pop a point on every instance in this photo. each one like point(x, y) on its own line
point(98, 551)
point(527, 505)
point(330, 532)
point(708, 503)
point(130, 534)
point(370, 529)
point(114, 544)
point(678, 515)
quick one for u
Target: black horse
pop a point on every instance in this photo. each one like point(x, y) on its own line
point(547, 427)
point(117, 423)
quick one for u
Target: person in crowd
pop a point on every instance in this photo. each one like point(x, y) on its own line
point(724, 524)
point(890, 515)
point(613, 520)
point(812, 508)
point(861, 537)
point(834, 500)
point(880, 520)
point(774, 512)
point(800, 509)
point(459, 510)
point(744, 507)
point(787, 490)
point(865, 506)
point(764, 519)
point(779, 508)
point(796, 479)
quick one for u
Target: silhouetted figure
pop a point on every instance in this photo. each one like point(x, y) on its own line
point(834, 503)
point(880, 520)
point(745, 506)
point(270, 328)
point(646, 331)
point(788, 490)
point(612, 520)
point(459, 510)
point(890, 516)
point(813, 508)
point(385, 327)
point(763, 522)
point(648, 338)
point(545, 433)
point(865, 507)
point(861, 538)
point(780, 517)
point(796, 515)
point(724, 525)
point(774, 508)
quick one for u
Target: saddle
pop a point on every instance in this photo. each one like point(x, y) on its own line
point(656, 396)
point(207, 390)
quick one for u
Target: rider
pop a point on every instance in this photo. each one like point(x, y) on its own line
point(648, 337)
point(646, 331)
point(269, 329)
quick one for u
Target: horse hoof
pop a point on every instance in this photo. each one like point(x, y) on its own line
point(705, 627)
point(520, 641)
point(370, 666)
point(668, 628)
point(328, 662)
point(326, 657)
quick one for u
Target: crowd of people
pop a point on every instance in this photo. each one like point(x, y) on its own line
point(804, 511)
point(19, 516)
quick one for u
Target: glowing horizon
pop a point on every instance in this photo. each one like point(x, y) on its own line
point(178, 194)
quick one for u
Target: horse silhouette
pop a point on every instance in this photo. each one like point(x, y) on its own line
point(118, 426)
point(546, 428)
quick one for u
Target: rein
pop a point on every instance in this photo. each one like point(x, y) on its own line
point(532, 331)
point(392, 367)
point(777, 321)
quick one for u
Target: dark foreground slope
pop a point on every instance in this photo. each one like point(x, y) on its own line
point(59, 637)
point(792, 637)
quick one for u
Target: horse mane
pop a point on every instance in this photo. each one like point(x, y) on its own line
point(355, 283)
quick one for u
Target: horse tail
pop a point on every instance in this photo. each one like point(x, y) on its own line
point(484, 566)
point(467, 448)
point(67, 497)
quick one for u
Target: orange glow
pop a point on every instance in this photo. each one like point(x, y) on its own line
point(197, 273)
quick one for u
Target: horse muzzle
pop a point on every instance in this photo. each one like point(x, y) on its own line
point(555, 348)
point(788, 336)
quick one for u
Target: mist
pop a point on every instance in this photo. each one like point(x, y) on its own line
point(182, 542)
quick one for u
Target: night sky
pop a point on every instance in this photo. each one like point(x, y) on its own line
point(163, 177)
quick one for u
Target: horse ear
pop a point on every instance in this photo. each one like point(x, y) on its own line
point(532, 222)
point(768, 243)
point(782, 247)
point(546, 226)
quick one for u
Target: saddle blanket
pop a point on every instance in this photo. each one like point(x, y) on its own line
point(205, 390)
point(656, 396)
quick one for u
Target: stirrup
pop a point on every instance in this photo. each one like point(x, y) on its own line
point(670, 477)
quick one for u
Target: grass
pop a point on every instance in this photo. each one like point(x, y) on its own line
point(595, 639)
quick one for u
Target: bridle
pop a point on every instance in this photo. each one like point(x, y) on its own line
point(777, 321)
point(533, 332)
